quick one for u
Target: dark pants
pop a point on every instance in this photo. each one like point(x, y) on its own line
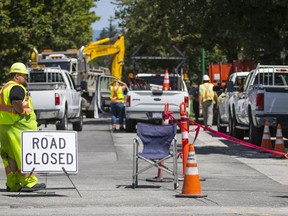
point(118, 111)
point(196, 109)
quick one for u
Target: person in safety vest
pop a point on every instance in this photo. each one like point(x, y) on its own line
point(16, 115)
point(207, 100)
point(117, 88)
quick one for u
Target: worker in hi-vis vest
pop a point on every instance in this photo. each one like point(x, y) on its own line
point(207, 100)
point(117, 105)
point(16, 115)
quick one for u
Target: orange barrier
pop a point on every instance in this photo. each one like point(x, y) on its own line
point(166, 82)
point(184, 132)
point(191, 186)
point(279, 143)
point(266, 138)
point(166, 115)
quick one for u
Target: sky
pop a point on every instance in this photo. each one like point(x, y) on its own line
point(104, 9)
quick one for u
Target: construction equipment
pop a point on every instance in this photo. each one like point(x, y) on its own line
point(99, 48)
point(94, 82)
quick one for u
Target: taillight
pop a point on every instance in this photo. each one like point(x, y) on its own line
point(57, 99)
point(186, 101)
point(260, 101)
point(128, 101)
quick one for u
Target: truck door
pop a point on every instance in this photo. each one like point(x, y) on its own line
point(102, 100)
point(74, 98)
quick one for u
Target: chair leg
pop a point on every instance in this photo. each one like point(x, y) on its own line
point(136, 173)
point(135, 165)
point(175, 166)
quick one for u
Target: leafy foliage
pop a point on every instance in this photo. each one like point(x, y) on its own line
point(227, 30)
point(44, 24)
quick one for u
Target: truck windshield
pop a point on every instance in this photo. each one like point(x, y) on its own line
point(63, 65)
point(36, 77)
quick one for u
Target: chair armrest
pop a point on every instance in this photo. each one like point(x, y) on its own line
point(135, 146)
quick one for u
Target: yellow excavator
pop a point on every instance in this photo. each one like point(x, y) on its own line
point(101, 48)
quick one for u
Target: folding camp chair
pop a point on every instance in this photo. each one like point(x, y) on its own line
point(156, 141)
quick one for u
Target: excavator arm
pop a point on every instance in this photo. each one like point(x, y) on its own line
point(100, 48)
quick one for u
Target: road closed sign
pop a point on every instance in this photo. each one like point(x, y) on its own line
point(49, 151)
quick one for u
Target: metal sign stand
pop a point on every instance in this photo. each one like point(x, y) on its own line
point(46, 193)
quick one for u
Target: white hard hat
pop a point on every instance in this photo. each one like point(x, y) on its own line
point(206, 78)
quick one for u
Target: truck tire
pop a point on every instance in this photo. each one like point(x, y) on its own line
point(255, 133)
point(78, 125)
point(130, 125)
point(233, 130)
point(63, 125)
point(231, 125)
point(220, 128)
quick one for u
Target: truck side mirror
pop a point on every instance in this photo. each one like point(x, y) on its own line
point(230, 86)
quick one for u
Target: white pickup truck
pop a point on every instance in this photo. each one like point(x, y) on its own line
point(55, 97)
point(145, 100)
point(263, 98)
point(225, 102)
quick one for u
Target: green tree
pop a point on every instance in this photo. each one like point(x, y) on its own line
point(43, 24)
point(228, 30)
point(109, 32)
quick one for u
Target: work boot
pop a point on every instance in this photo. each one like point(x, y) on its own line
point(8, 189)
point(114, 130)
point(122, 129)
point(36, 187)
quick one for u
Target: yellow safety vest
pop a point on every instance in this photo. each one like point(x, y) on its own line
point(206, 91)
point(116, 94)
point(8, 115)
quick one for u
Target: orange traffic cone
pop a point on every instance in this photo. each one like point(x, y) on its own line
point(266, 138)
point(166, 83)
point(279, 143)
point(191, 186)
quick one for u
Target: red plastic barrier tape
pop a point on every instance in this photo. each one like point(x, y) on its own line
point(223, 135)
point(244, 143)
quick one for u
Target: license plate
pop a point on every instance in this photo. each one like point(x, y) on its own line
point(157, 115)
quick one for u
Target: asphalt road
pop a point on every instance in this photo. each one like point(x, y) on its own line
point(239, 181)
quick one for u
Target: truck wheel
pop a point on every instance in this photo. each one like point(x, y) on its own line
point(130, 125)
point(233, 131)
point(220, 128)
point(231, 126)
point(215, 116)
point(63, 125)
point(78, 125)
point(255, 133)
